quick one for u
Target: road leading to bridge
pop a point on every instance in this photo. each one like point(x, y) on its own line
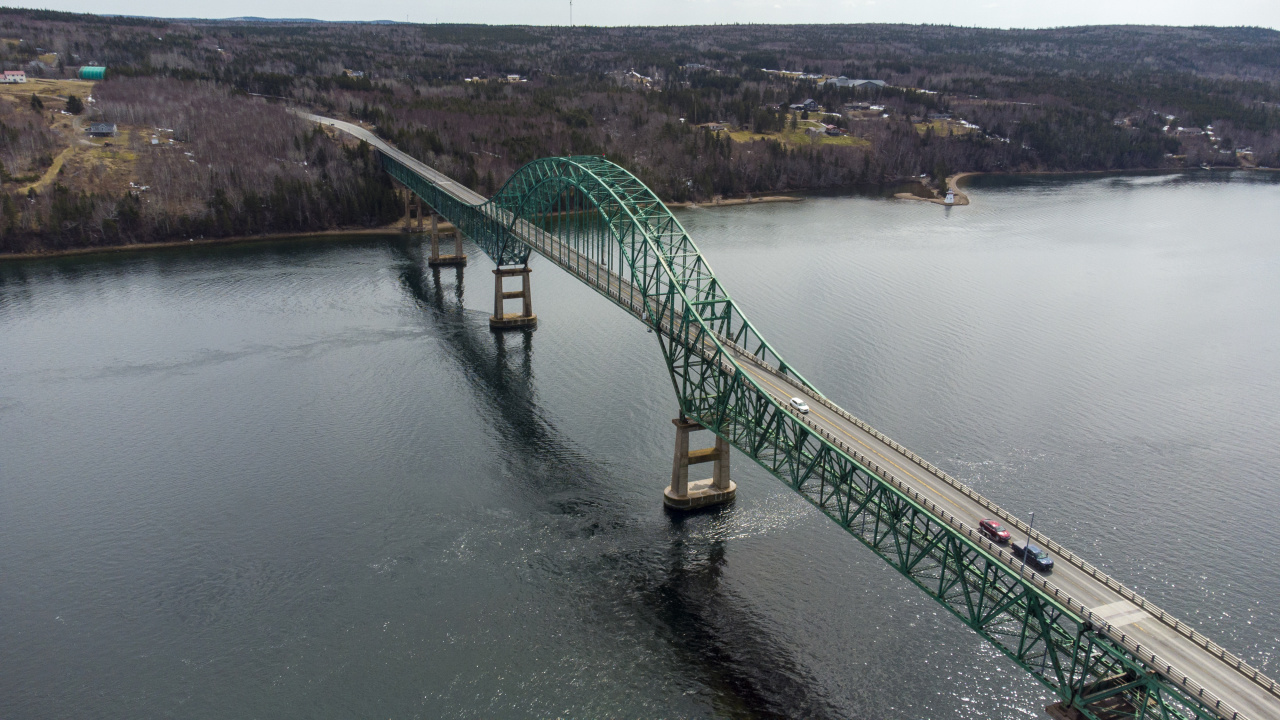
point(1200, 669)
point(1122, 617)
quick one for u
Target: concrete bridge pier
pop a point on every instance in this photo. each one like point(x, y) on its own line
point(439, 286)
point(436, 259)
point(412, 211)
point(502, 320)
point(717, 489)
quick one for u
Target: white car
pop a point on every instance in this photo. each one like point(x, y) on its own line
point(799, 406)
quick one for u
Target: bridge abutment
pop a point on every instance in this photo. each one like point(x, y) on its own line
point(717, 489)
point(502, 320)
point(436, 259)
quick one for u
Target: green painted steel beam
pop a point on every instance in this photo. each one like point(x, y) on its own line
point(600, 223)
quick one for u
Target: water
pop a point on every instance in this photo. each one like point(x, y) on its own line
point(300, 480)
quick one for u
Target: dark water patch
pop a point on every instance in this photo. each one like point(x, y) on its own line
point(306, 480)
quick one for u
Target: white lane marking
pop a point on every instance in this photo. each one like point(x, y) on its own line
point(1121, 612)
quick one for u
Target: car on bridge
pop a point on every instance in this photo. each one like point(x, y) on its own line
point(800, 406)
point(994, 531)
point(1033, 555)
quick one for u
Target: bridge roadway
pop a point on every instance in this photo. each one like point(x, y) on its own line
point(1170, 647)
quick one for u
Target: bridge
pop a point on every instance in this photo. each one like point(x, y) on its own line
point(1104, 651)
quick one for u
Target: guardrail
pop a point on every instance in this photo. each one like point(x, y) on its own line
point(617, 288)
point(1209, 699)
point(616, 292)
point(1170, 621)
point(1048, 588)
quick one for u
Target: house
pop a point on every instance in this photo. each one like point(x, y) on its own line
point(14, 76)
point(714, 126)
point(834, 131)
point(809, 105)
point(101, 129)
point(845, 82)
point(638, 79)
point(353, 73)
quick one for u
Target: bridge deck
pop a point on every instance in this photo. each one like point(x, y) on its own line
point(1183, 656)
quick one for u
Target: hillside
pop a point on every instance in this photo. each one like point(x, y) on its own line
point(696, 112)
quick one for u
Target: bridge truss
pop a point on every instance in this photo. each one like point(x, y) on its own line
point(600, 223)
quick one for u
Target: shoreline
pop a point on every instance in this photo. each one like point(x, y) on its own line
point(395, 229)
point(953, 184)
point(736, 201)
point(962, 198)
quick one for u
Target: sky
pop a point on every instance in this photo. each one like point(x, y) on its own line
point(981, 13)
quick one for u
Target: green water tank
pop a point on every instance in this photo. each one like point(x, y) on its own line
point(90, 72)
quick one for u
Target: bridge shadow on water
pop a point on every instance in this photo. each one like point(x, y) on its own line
point(670, 581)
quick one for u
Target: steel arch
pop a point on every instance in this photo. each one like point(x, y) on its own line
point(602, 224)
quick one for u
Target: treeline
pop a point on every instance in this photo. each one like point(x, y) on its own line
point(237, 166)
point(1092, 98)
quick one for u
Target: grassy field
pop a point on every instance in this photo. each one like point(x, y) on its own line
point(797, 138)
point(48, 89)
point(941, 127)
point(103, 164)
point(96, 164)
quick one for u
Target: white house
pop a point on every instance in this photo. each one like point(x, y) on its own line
point(14, 76)
point(845, 82)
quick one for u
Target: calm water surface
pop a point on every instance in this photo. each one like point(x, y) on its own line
point(304, 480)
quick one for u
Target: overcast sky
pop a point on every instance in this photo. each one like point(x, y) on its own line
point(983, 13)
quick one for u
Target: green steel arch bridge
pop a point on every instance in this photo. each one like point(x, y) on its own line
point(1104, 651)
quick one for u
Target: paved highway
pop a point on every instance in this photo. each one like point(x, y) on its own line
point(1179, 654)
point(1189, 662)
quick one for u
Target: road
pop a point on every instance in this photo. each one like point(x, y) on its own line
point(1180, 655)
point(1189, 662)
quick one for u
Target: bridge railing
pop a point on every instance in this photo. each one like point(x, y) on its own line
point(688, 323)
point(625, 294)
point(1049, 589)
point(622, 292)
point(1165, 618)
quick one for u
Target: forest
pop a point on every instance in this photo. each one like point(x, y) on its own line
point(206, 147)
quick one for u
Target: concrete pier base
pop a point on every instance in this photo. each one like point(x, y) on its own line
point(715, 490)
point(502, 320)
point(701, 494)
point(438, 260)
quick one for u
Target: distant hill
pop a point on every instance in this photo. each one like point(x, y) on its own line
point(696, 112)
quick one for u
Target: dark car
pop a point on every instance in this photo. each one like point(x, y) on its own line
point(1033, 556)
point(994, 532)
